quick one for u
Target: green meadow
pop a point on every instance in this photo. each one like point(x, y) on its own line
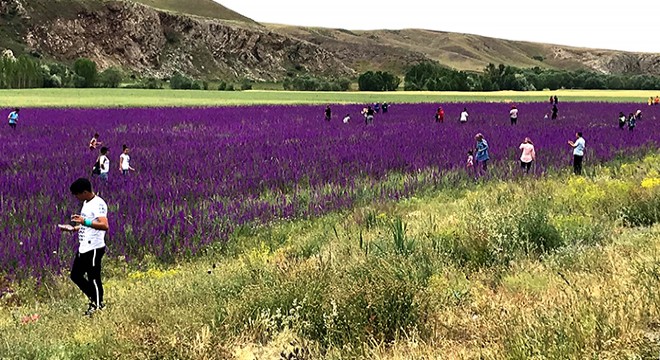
point(181, 98)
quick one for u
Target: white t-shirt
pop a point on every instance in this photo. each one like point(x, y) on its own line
point(125, 160)
point(579, 147)
point(347, 119)
point(105, 164)
point(514, 113)
point(464, 116)
point(88, 237)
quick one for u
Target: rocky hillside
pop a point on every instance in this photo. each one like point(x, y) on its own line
point(204, 39)
point(158, 43)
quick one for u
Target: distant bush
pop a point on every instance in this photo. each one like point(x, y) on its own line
point(246, 84)
point(181, 82)
point(110, 78)
point(230, 87)
point(222, 86)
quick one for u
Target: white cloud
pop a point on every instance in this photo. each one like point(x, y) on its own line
point(620, 25)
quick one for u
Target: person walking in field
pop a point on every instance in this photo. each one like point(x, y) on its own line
point(13, 118)
point(632, 121)
point(513, 115)
point(555, 111)
point(125, 161)
point(528, 154)
point(482, 155)
point(578, 153)
point(94, 142)
point(91, 225)
point(385, 107)
point(464, 116)
point(622, 120)
point(376, 108)
point(369, 116)
point(657, 100)
point(104, 164)
point(328, 113)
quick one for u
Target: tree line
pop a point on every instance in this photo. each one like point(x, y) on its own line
point(27, 72)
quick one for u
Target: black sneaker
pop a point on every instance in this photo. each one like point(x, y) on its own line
point(91, 309)
point(102, 306)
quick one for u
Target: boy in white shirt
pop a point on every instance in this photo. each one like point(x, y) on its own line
point(104, 161)
point(92, 224)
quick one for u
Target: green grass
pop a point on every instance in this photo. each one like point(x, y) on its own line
point(150, 98)
point(420, 278)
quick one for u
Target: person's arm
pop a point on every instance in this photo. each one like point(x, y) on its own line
point(121, 160)
point(100, 223)
point(533, 154)
point(571, 143)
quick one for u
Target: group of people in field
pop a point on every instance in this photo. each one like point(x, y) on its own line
point(477, 159)
point(368, 113)
point(102, 164)
point(631, 120)
point(653, 101)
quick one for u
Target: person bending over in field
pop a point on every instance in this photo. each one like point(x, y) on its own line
point(125, 161)
point(369, 116)
point(95, 142)
point(13, 118)
point(622, 120)
point(91, 225)
point(347, 119)
point(440, 115)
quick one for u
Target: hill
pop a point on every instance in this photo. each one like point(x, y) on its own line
point(204, 8)
point(205, 39)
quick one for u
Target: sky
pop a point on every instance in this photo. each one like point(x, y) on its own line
point(631, 25)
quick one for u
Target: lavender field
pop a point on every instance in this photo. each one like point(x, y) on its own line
point(201, 173)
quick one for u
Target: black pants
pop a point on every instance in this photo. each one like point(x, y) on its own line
point(526, 165)
point(13, 126)
point(514, 121)
point(577, 164)
point(89, 264)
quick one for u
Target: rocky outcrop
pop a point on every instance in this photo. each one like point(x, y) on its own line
point(159, 43)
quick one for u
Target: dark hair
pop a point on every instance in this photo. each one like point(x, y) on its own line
point(123, 147)
point(80, 186)
point(469, 152)
point(96, 135)
point(104, 150)
point(17, 109)
point(579, 133)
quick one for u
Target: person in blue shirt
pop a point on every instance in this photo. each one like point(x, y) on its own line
point(482, 156)
point(578, 153)
point(376, 107)
point(13, 118)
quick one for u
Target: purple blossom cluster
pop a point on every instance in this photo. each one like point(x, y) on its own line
point(201, 172)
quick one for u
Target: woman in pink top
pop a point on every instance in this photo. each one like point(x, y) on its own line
point(528, 154)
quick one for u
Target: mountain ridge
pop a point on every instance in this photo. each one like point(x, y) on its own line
point(159, 37)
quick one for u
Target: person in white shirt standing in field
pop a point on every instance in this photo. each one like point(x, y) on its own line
point(578, 153)
point(125, 161)
point(464, 116)
point(91, 225)
point(513, 115)
point(104, 161)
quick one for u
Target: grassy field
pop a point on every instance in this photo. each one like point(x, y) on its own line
point(556, 268)
point(147, 98)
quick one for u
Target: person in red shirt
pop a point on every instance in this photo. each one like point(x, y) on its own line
point(657, 100)
point(440, 115)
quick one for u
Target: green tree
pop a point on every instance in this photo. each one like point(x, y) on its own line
point(110, 78)
point(86, 72)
